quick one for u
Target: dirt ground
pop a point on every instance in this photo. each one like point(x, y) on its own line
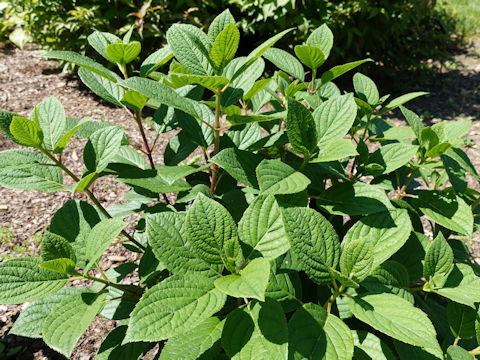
point(26, 79)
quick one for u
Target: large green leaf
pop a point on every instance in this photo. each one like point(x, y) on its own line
point(392, 156)
point(395, 317)
point(365, 88)
point(321, 37)
point(102, 147)
point(357, 259)
point(251, 282)
point(220, 22)
point(54, 246)
point(335, 150)
point(225, 45)
point(202, 341)
point(212, 233)
point(240, 164)
point(190, 46)
point(21, 280)
point(30, 321)
point(112, 348)
point(69, 319)
point(166, 236)
point(51, 118)
point(387, 231)
point(286, 288)
point(334, 118)
point(155, 60)
point(446, 209)
point(105, 88)
point(300, 128)
point(100, 40)
point(458, 353)
point(316, 334)
point(461, 319)
point(311, 56)
point(285, 62)
point(261, 228)
point(438, 262)
point(83, 61)
point(123, 53)
point(462, 286)
point(26, 131)
point(370, 347)
point(393, 104)
point(172, 307)
point(257, 330)
point(276, 177)
point(314, 241)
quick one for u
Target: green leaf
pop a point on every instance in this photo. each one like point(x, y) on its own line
point(83, 61)
point(150, 180)
point(387, 232)
point(370, 347)
point(202, 341)
point(212, 83)
point(21, 280)
point(321, 37)
point(315, 334)
point(239, 164)
point(335, 150)
point(102, 147)
point(259, 328)
point(112, 348)
point(251, 282)
point(123, 53)
point(100, 40)
point(461, 319)
point(212, 233)
point(105, 88)
point(62, 143)
point(26, 131)
point(314, 241)
point(6, 118)
point(311, 56)
point(365, 88)
point(463, 160)
point(220, 22)
point(413, 120)
point(173, 173)
point(456, 174)
point(392, 156)
point(286, 288)
point(276, 177)
point(54, 246)
point(395, 317)
point(334, 118)
point(69, 319)
point(285, 62)
point(100, 238)
point(156, 60)
point(172, 307)
point(257, 87)
point(446, 209)
point(357, 259)
point(261, 228)
point(30, 321)
point(393, 104)
point(225, 45)
point(458, 353)
point(62, 265)
point(166, 236)
point(129, 156)
point(354, 199)
point(51, 118)
point(300, 128)
point(339, 70)
point(190, 46)
point(438, 262)
point(462, 286)
point(245, 119)
point(23, 169)
point(243, 136)
point(406, 351)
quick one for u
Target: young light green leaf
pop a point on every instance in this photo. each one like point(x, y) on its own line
point(285, 62)
point(54, 246)
point(311, 56)
point(246, 119)
point(300, 128)
point(83, 61)
point(100, 40)
point(60, 265)
point(276, 177)
point(166, 236)
point(105, 88)
point(461, 319)
point(365, 88)
point(100, 238)
point(316, 334)
point(240, 164)
point(51, 118)
point(257, 87)
point(267, 326)
point(21, 280)
point(339, 70)
point(357, 259)
point(335, 150)
point(27, 132)
point(438, 262)
point(212, 83)
point(387, 232)
point(69, 319)
point(212, 233)
point(102, 147)
point(321, 37)
point(251, 282)
point(462, 286)
point(395, 317)
point(261, 228)
point(313, 240)
point(201, 341)
point(392, 156)
point(393, 104)
point(156, 60)
point(123, 53)
point(370, 347)
point(218, 24)
point(62, 143)
point(173, 307)
point(225, 45)
point(334, 118)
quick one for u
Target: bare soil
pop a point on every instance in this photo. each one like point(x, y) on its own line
point(26, 79)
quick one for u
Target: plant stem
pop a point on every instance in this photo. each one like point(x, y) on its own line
point(216, 139)
point(475, 351)
point(114, 285)
point(455, 342)
point(331, 300)
point(475, 204)
point(138, 119)
point(401, 192)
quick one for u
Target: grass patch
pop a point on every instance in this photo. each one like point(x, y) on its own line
point(468, 14)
